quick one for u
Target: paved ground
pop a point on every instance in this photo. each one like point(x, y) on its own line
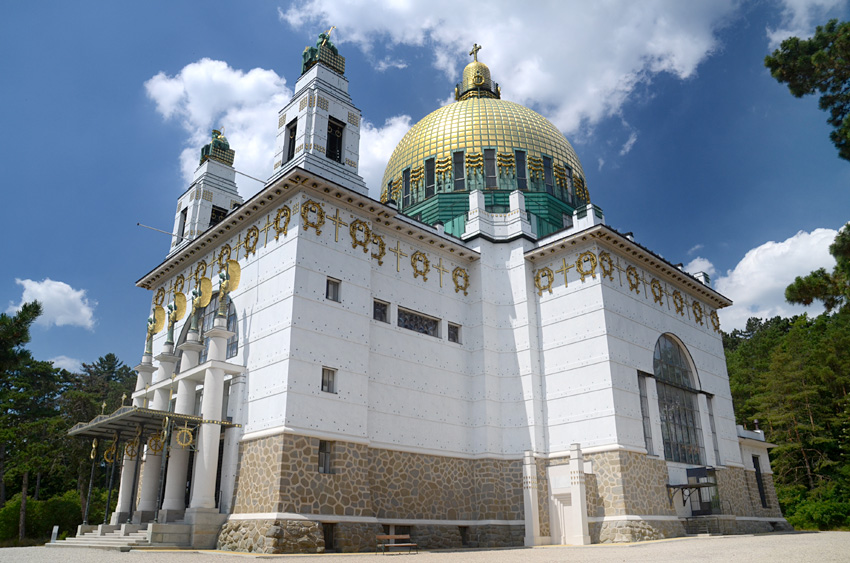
point(819, 547)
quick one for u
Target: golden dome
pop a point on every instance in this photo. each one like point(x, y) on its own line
point(477, 123)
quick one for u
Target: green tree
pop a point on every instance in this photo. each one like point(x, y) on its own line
point(830, 288)
point(820, 64)
point(14, 333)
point(98, 387)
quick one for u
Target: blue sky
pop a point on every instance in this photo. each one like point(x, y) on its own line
point(685, 138)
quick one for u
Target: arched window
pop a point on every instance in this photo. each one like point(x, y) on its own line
point(677, 401)
point(206, 319)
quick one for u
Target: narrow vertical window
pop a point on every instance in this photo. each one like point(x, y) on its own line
point(459, 172)
point(429, 178)
point(713, 431)
point(490, 179)
point(328, 380)
point(454, 333)
point(405, 194)
point(291, 129)
point(390, 191)
point(332, 290)
point(569, 195)
point(181, 224)
point(760, 481)
point(644, 412)
point(548, 176)
point(324, 456)
point(521, 171)
point(333, 150)
point(328, 533)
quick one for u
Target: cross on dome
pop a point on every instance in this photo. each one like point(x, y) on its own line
point(474, 52)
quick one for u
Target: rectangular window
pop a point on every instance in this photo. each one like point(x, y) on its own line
point(548, 176)
point(570, 191)
point(490, 180)
point(405, 182)
point(459, 172)
point(333, 150)
point(381, 311)
point(644, 412)
point(332, 290)
point(390, 190)
point(417, 322)
point(291, 129)
point(429, 177)
point(760, 481)
point(325, 457)
point(454, 333)
point(521, 171)
point(217, 216)
point(181, 224)
point(328, 380)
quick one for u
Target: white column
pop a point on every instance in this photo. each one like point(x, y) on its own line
point(206, 456)
point(529, 490)
point(128, 467)
point(153, 462)
point(230, 459)
point(707, 438)
point(578, 532)
point(178, 460)
point(654, 417)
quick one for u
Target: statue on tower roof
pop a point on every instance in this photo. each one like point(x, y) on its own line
point(324, 52)
point(218, 149)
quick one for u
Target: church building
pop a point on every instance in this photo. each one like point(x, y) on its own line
point(473, 359)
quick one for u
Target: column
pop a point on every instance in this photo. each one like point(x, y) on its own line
point(153, 461)
point(529, 493)
point(128, 467)
point(232, 436)
point(577, 532)
point(174, 499)
point(206, 455)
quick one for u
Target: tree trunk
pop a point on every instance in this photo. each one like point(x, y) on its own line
point(37, 485)
point(22, 522)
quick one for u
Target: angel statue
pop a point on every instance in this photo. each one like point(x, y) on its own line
point(151, 331)
point(197, 296)
point(224, 289)
point(172, 318)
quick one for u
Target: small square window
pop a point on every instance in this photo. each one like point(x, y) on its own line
point(332, 290)
point(381, 311)
point(324, 457)
point(328, 380)
point(454, 333)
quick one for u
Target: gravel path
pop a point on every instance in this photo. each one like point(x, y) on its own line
point(820, 547)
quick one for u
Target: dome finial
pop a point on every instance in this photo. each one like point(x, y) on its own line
point(474, 52)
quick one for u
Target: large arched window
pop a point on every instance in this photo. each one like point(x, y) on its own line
point(206, 319)
point(677, 401)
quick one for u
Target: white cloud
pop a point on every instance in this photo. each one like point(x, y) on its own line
point(387, 62)
point(64, 362)
point(757, 283)
point(62, 305)
point(700, 264)
point(209, 94)
point(601, 163)
point(376, 146)
point(800, 17)
point(580, 71)
point(629, 143)
point(695, 248)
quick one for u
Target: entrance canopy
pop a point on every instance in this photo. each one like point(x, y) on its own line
point(127, 420)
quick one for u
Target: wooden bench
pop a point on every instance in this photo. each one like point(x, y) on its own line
point(385, 542)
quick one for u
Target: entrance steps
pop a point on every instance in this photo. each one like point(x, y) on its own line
point(130, 536)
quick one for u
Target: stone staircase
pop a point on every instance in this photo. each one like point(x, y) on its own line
point(199, 530)
point(123, 538)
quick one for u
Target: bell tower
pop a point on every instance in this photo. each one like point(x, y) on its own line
point(211, 196)
point(319, 129)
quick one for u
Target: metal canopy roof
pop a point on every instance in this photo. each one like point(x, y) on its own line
point(127, 421)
